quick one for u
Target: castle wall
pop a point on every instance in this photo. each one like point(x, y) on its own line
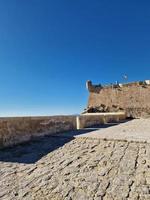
point(133, 98)
point(96, 119)
point(15, 130)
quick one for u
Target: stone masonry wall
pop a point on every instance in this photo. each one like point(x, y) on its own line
point(15, 130)
point(133, 98)
point(90, 120)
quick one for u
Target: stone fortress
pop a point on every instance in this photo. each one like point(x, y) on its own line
point(66, 158)
point(106, 104)
point(132, 98)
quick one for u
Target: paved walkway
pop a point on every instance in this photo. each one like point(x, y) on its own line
point(58, 168)
point(137, 130)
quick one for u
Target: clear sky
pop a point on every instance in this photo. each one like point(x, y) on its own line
point(49, 48)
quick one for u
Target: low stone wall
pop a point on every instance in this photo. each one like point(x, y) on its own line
point(92, 119)
point(14, 130)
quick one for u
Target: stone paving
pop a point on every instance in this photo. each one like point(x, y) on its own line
point(137, 130)
point(58, 168)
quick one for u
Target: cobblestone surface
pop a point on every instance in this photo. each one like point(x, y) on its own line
point(79, 169)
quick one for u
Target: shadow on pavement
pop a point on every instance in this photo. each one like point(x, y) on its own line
point(30, 152)
point(89, 129)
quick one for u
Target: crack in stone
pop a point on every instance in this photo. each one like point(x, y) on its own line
point(136, 159)
point(130, 189)
point(135, 167)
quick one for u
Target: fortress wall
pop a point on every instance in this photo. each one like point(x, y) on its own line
point(133, 98)
point(91, 120)
point(15, 130)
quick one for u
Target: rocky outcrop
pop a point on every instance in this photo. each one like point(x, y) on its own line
point(102, 109)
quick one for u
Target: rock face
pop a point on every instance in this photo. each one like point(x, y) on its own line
point(102, 108)
point(133, 98)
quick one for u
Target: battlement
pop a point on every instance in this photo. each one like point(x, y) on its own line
point(92, 87)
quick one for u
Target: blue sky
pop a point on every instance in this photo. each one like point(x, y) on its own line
point(48, 49)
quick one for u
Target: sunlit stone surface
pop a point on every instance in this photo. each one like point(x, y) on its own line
point(83, 168)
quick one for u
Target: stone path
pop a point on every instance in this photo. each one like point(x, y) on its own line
point(58, 168)
point(137, 130)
